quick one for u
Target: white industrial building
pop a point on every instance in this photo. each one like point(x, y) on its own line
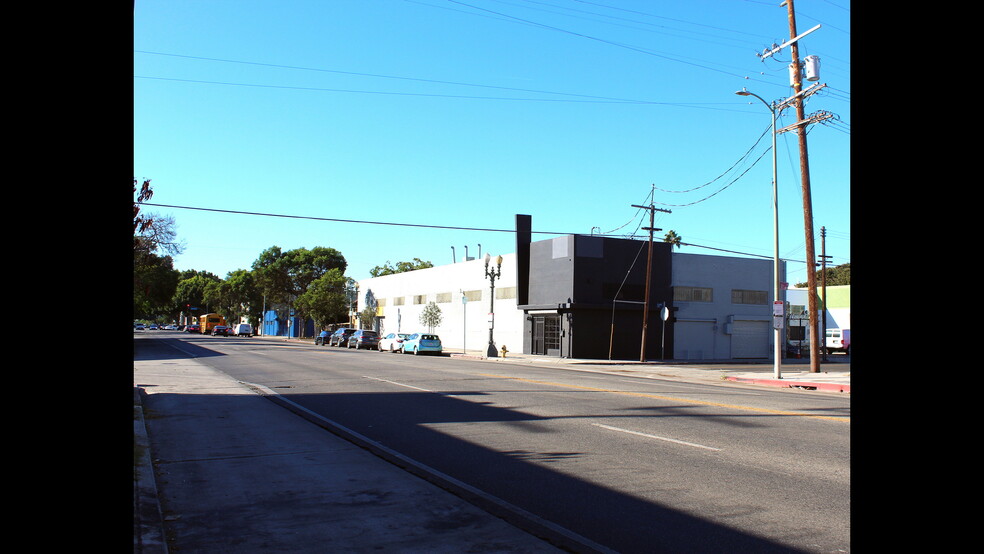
point(582, 296)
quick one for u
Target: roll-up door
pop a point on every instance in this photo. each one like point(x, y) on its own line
point(693, 340)
point(750, 339)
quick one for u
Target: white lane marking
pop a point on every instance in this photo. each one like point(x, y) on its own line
point(655, 437)
point(397, 384)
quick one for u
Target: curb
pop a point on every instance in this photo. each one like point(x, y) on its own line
point(807, 385)
point(148, 522)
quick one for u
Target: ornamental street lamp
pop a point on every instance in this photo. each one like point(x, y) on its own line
point(492, 274)
point(775, 236)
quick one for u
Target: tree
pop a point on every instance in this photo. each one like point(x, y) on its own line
point(366, 317)
point(401, 267)
point(189, 294)
point(836, 275)
point(154, 282)
point(245, 296)
point(325, 300)
point(154, 245)
point(151, 232)
point(285, 276)
point(673, 238)
point(431, 316)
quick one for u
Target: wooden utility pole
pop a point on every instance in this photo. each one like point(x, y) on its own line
point(801, 122)
point(823, 286)
point(649, 268)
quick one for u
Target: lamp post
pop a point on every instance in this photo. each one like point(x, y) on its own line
point(775, 236)
point(492, 274)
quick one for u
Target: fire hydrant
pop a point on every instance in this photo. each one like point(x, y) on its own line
point(504, 351)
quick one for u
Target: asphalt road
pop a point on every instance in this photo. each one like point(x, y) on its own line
point(637, 465)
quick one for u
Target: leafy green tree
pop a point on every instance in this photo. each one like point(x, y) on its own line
point(836, 275)
point(285, 276)
point(400, 267)
point(366, 317)
point(246, 296)
point(431, 316)
point(325, 300)
point(154, 282)
point(189, 294)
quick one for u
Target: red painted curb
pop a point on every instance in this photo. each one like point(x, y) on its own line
point(833, 387)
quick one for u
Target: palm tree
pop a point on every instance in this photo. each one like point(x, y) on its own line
point(673, 238)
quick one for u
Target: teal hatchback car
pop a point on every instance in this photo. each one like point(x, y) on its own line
point(418, 343)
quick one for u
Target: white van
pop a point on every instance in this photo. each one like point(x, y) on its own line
point(838, 340)
point(243, 329)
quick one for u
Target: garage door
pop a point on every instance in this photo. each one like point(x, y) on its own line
point(693, 340)
point(750, 339)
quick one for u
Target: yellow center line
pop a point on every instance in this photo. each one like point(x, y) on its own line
point(670, 398)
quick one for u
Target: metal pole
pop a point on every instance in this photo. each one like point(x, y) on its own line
point(777, 335)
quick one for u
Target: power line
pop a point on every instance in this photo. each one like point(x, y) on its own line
point(451, 227)
point(350, 220)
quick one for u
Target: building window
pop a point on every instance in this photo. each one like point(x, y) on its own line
point(739, 296)
point(693, 294)
point(505, 292)
point(380, 302)
point(473, 295)
point(398, 301)
point(443, 297)
point(420, 299)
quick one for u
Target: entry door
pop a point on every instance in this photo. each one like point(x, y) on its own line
point(538, 326)
point(546, 335)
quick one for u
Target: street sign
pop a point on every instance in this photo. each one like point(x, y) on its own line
point(664, 313)
point(777, 308)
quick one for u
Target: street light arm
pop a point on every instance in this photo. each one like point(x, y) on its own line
point(744, 92)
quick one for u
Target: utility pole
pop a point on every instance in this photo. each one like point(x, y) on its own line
point(801, 122)
point(649, 268)
point(823, 286)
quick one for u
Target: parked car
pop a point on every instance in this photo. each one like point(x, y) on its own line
point(139, 327)
point(421, 342)
point(220, 330)
point(243, 330)
point(363, 338)
point(392, 342)
point(194, 328)
point(322, 338)
point(153, 327)
point(340, 337)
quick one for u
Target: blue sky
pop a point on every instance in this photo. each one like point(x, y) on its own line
point(461, 114)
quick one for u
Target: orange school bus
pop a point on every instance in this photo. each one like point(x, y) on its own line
point(209, 321)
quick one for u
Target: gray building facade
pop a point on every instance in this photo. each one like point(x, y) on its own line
point(584, 296)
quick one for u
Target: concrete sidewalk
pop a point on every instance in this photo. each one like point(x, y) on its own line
point(220, 468)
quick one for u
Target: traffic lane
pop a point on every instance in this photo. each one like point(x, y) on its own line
point(513, 426)
point(731, 416)
point(725, 393)
point(563, 466)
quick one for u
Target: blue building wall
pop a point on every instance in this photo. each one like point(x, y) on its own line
point(275, 326)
